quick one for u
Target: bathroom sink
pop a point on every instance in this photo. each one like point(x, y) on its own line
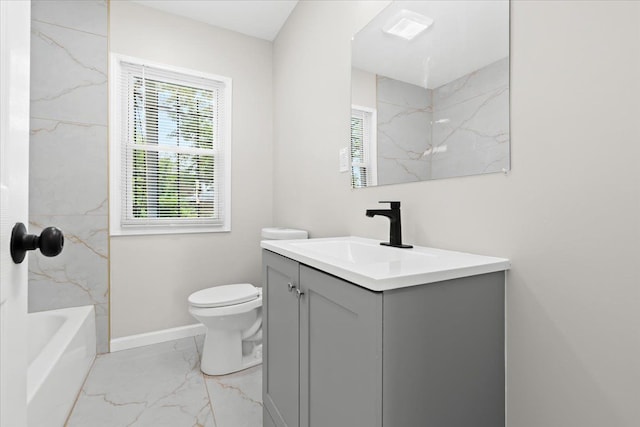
point(360, 252)
point(368, 264)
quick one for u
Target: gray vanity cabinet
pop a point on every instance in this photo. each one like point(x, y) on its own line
point(322, 359)
point(339, 355)
point(280, 330)
point(340, 352)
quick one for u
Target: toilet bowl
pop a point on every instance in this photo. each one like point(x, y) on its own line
point(232, 315)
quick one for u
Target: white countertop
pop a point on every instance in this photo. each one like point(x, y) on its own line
point(381, 268)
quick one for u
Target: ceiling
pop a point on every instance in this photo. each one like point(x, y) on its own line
point(257, 18)
point(465, 36)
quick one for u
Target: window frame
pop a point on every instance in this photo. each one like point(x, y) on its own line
point(116, 179)
point(370, 147)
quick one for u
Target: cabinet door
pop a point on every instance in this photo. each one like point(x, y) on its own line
point(444, 353)
point(281, 340)
point(340, 353)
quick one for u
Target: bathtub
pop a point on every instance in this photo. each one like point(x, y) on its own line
point(62, 347)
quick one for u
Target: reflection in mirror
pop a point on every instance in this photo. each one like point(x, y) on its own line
point(430, 92)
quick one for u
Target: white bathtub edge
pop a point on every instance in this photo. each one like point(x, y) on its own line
point(155, 337)
point(40, 369)
point(56, 374)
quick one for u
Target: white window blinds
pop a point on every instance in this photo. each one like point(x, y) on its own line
point(172, 148)
point(361, 144)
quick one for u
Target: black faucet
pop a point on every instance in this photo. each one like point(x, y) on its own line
point(395, 230)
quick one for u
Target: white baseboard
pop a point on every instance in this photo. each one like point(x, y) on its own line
point(140, 340)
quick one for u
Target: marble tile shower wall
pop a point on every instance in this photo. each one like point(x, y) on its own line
point(404, 131)
point(471, 123)
point(68, 155)
point(461, 128)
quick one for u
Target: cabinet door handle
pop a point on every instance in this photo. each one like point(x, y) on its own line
point(299, 293)
point(290, 286)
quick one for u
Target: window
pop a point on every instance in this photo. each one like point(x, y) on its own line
point(363, 147)
point(170, 142)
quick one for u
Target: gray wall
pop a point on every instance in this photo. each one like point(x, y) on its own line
point(152, 276)
point(68, 156)
point(567, 215)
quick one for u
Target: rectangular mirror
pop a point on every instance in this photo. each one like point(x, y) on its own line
point(430, 92)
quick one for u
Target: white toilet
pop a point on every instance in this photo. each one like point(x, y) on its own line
point(232, 315)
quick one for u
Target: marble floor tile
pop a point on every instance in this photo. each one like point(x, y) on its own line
point(157, 385)
point(237, 398)
point(162, 385)
point(199, 343)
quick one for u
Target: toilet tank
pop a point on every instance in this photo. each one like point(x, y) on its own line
point(280, 233)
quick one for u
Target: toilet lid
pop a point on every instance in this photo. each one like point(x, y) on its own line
point(279, 233)
point(221, 296)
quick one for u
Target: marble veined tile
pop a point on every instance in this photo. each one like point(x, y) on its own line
point(199, 343)
point(79, 275)
point(404, 131)
point(67, 168)
point(396, 170)
point(396, 92)
point(487, 79)
point(472, 137)
point(409, 129)
point(237, 398)
point(102, 328)
point(84, 15)
point(68, 74)
point(404, 135)
point(409, 121)
point(157, 385)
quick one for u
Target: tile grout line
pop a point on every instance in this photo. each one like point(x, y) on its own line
point(70, 122)
point(75, 402)
point(104, 36)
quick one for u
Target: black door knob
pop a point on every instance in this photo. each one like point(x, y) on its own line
point(50, 242)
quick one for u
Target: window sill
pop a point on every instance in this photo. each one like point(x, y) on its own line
point(160, 230)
